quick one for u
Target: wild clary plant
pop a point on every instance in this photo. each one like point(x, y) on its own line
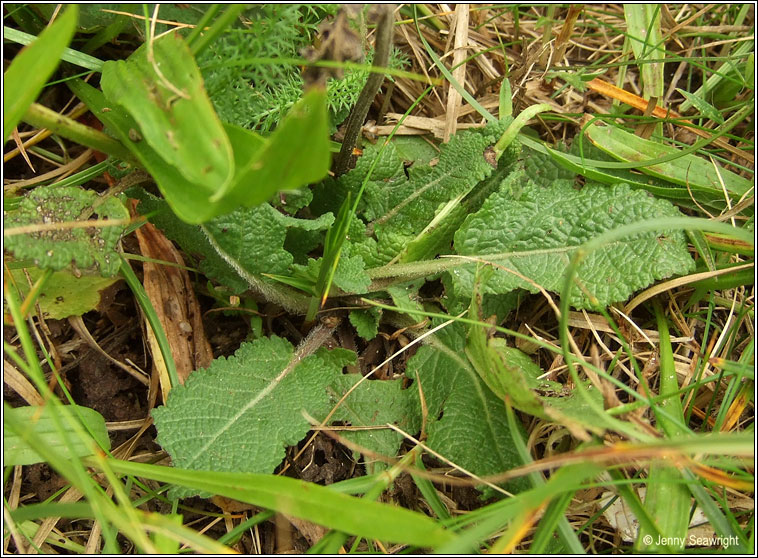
point(467, 203)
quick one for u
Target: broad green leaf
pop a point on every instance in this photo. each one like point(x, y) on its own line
point(189, 202)
point(90, 248)
point(237, 245)
point(240, 413)
point(466, 422)
point(421, 224)
point(33, 66)
point(64, 294)
point(375, 403)
point(253, 239)
point(366, 322)
point(296, 154)
point(414, 150)
point(350, 274)
point(41, 421)
point(319, 504)
point(414, 217)
point(536, 231)
point(512, 376)
point(205, 168)
point(161, 87)
point(687, 170)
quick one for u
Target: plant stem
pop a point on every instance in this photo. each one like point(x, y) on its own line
point(382, 47)
point(519, 122)
point(43, 117)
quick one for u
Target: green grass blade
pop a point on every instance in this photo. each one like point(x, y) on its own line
point(716, 518)
point(705, 108)
point(69, 510)
point(309, 501)
point(543, 536)
point(667, 498)
point(147, 307)
point(429, 493)
point(68, 55)
point(33, 66)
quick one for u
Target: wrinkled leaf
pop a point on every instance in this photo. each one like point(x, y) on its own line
point(536, 231)
point(245, 242)
point(413, 217)
point(90, 248)
point(375, 403)
point(240, 413)
point(366, 322)
point(466, 422)
point(63, 294)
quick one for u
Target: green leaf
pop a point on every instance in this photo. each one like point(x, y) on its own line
point(466, 422)
point(91, 248)
point(240, 413)
point(512, 375)
point(161, 87)
point(366, 322)
point(686, 170)
point(64, 294)
point(253, 239)
point(414, 150)
point(205, 168)
point(644, 32)
point(415, 217)
point(584, 159)
point(236, 246)
point(350, 275)
point(536, 232)
point(296, 154)
point(375, 403)
point(189, 202)
point(32, 67)
point(41, 421)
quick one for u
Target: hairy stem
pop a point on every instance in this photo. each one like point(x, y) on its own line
point(382, 47)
